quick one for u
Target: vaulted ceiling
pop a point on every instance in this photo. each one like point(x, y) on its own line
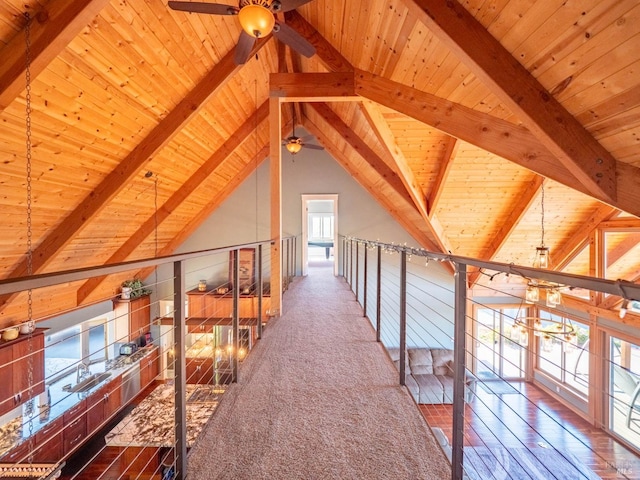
point(452, 115)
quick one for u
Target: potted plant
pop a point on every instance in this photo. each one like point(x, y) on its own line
point(133, 289)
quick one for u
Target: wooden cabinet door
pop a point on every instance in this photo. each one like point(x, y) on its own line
point(96, 409)
point(75, 426)
point(139, 317)
point(50, 442)
point(7, 402)
point(113, 397)
point(149, 368)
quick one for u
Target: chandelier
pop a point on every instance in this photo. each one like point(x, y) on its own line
point(553, 330)
point(542, 260)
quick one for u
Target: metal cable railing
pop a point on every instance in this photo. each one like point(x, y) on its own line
point(198, 344)
point(494, 417)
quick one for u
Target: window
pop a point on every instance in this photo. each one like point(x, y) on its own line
point(564, 359)
point(497, 355)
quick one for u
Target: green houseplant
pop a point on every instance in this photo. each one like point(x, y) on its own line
point(134, 288)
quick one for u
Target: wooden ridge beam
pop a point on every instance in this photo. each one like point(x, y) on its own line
point(541, 113)
point(179, 196)
point(51, 30)
point(115, 181)
point(512, 142)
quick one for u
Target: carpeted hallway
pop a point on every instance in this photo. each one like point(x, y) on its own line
point(317, 398)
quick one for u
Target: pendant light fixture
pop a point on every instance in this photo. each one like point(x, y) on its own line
point(542, 258)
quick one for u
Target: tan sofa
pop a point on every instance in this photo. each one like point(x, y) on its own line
point(429, 374)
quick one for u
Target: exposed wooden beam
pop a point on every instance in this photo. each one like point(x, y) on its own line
point(445, 167)
point(620, 250)
point(521, 92)
point(361, 147)
point(179, 196)
point(398, 162)
point(631, 319)
point(404, 212)
point(580, 238)
point(621, 224)
point(527, 195)
point(51, 30)
point(159, 136)
point(512, 142)
point(301, 87)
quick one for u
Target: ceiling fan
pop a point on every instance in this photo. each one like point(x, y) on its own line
point(257, 20)
point(294, 144)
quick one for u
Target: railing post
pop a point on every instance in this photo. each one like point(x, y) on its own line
point(180, 372)
point(403, 314)
point(378, 294)
point(460, 314)
point(259, 292)
point(364, 300)
point(235, 320)
point(357, 269)
point(351, 264)
point(293, 259)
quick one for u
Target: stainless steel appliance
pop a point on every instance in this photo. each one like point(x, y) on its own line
point(130, 383)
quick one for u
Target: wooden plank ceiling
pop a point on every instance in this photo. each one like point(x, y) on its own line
point(455, 114)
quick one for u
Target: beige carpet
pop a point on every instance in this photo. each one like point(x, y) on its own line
point(317, 398)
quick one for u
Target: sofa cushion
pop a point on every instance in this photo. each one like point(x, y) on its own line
point(441, 357)
point(420, 361)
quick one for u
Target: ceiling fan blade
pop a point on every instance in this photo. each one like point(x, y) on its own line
point(200, 7)
point(243, 48)
point(313, 147)
point(288, 5)
point(289, 36)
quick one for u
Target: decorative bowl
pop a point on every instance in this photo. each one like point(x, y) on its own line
point(10, 333)
point(27, 328)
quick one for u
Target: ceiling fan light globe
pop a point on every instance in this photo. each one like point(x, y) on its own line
point(293, 147)
point(256, 20)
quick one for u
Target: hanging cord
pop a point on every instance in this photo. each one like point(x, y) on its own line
point(542, 215)
point(27, 35)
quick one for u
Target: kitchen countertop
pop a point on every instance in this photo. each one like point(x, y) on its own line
point(35, 417)
point(151, 424)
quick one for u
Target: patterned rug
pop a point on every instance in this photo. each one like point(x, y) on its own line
point(500, 463)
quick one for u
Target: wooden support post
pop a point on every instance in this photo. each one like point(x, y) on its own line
point(275, 165)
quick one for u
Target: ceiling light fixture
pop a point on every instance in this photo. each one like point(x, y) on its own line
point(293, 147)
point(256, 18)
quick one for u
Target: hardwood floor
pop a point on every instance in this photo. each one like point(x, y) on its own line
point(537, 420)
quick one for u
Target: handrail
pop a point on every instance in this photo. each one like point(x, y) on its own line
point(623, 288)
point(13, 285)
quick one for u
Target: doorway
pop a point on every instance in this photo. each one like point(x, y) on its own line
point(319, 231)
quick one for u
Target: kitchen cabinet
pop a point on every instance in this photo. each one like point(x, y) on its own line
point(15, 358)
point(138, 313)
point(149, 368)
point(199, 370)
point(50, 442)
point(75, 426)
point(102, 404)
point(18, 454)
point(212, 305)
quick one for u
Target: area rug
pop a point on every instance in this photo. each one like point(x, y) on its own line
point(500, 463)
point(498, 387)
